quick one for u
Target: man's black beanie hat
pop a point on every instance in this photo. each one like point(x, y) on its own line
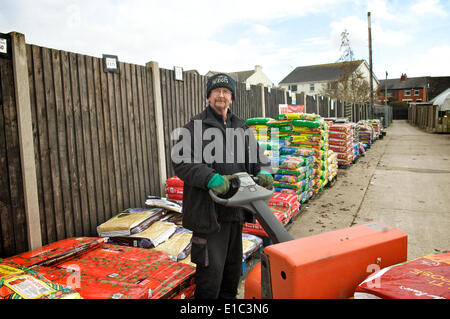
point(220, 80)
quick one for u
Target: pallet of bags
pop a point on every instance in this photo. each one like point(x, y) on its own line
point(121, 272)
point(285, 202)
point(97, 270)
point(310, 131)
point(376, 124)
point(341, 142)
point(293, 179)
point(366, 133)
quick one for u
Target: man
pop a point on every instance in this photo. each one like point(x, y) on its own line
point(217, 230)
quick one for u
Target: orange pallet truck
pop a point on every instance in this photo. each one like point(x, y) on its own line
point(323, 266)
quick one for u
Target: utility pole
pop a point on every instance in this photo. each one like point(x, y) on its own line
point(370, 63)
point(385, 90)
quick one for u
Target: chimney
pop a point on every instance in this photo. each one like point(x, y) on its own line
point(258, 68)
point(403, 77)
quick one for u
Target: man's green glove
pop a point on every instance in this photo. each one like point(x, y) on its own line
point(265, 179)
point(219, 184)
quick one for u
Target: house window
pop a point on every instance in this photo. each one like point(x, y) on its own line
point(293, 87)
point(407, 92)
point(311, 87)
point(416, 92)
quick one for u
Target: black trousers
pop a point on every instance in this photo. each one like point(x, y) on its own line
point(219, 262)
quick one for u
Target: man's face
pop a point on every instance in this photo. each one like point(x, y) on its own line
point(220, 99)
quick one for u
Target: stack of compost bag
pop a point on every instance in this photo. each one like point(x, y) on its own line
point(376, 124)
point(341, 142)
point(97, 270)
point(310, 132)
point(366, 133)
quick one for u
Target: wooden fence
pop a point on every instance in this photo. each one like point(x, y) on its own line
point(96, 138)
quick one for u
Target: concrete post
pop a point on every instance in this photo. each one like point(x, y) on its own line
point(25, 126)
point(263, 101)
point(156, 79)
point(317, 104)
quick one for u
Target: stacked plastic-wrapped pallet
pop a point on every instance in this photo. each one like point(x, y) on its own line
point(376, 124)
point(366, 133)
point(310, 132)
point(341, 142)
point(293, 172)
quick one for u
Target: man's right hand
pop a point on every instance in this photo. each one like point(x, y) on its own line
point(219, 184)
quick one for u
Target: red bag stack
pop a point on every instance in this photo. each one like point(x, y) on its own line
point(174, 188)
point(341, 142)
point(283, 205)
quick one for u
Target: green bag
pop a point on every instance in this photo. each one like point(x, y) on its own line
point(258, 121)
point(306, 123)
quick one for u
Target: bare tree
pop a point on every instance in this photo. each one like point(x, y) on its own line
point(347, 55)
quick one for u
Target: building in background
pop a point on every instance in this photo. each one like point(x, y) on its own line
point(404, 89)
point(349, 81)
point(252, 77)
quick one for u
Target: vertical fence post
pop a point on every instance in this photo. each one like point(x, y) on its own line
point(263, 101)
point(156, 79)
point(317, 104)
point(328, 107)
point(25, 126)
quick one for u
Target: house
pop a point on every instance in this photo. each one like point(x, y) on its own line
point(404, 89)
point(315, 79)
point(255, 76)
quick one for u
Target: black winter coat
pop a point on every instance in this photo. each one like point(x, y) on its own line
point(200, 213)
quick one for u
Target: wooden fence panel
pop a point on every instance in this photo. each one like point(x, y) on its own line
point(323, 106)
point(94, 135)
point(181, 101)
point(13, 234)
point(333, 108)
point(311, 104)
point(272, 101)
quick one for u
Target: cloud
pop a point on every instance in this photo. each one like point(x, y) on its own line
point(380, 10)
point(260, 29)
point(428, 7)
point(359, 36)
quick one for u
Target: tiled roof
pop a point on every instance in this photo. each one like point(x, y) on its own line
point(321, 72)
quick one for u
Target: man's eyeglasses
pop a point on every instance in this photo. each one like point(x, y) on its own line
point(224, 92)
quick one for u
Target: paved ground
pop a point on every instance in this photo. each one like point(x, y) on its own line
point(403, 181)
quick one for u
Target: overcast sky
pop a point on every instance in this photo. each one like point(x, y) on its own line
point(411, 37)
